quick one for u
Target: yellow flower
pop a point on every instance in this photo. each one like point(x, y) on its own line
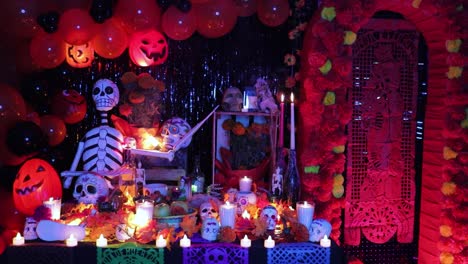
point(329, 98)
point(446, 258)
point(448, 188)
point(339, 149)
point(454, 72)
point(445, 231)
point(338, 179)
point(328, 13)
point(326, 67)
point(349, 37)
point(449, 153)
point(453, 45)
point(290, 59)
point(416, 3)
point(338, 191)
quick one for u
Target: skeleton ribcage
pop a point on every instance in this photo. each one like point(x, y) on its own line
point(102, 149)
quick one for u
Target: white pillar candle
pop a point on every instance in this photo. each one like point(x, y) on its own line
point(161, 242)
point(305, 213)
point(292, 144)
point(55, 206)
point(269, 242)
point(227, 214)
point(185, 242)
point(281, 124)
point(101, 241)
point(144, 210)
point(325, 242)
point(18, 240)
point(245, 242)
point(71, 241)
point(245, 184)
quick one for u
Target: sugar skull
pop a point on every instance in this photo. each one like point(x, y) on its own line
point(270, 214)
point(210, 229)
point(105, 95)
point(89, 188)
point(215, 255)
point(173, 130)
point(232, 99)
point(148, 48)
point(318, 229)
point(208, 210)
point(29, 232)
point(79, 56)
point(243, 199)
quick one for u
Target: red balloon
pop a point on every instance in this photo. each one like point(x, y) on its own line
point(76, 26)
point(12, 105)
point(10, 217)
point(47, 50)
point(273, 12)
point(138, 15)
point(112, 39)
point(19, 17)
point(179, 25)
point(148, 48)
point(54, 128)
point(246, 8)
point(23, 59)
point(70, 106)
point(216, 19)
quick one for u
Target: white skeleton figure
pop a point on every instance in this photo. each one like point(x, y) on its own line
point(101, 149)
point(277, 182)
point(265, 99)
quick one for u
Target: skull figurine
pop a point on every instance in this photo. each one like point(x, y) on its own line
point(89, 188)
point(270, 214)
point(105, 95)
point(123, 233)
point(216, 255)
point(174, 130)
point(318, 229)
point(29, 232)
point(232, 100)
point(210, 229)
point(208, 210)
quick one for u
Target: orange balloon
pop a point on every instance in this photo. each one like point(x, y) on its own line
point(112, 40)
point(273, 12)
point(76, 26)
point(47, 50)
point(179, 25)
point(138, 15)
point(54, 128)
point(246, 8)
point(216, 19)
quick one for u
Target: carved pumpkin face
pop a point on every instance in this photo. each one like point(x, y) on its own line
point(148, 48)
point(70, 106)
point(35, 182)
point(79, 56)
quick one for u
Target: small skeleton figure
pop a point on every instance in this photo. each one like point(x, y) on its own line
point(265, 99)
point(277, 182)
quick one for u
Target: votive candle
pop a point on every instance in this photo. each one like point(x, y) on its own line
point(101, 241)
point(144, 210)
point(55, 206)
point(71, 241)
point(161, 242)
point(325, 242)
point(18, 240)
point(245, 242)
point(245, 184)
point(269, 242)
point(227, 214)
point(281, 124)
point(305, 213)
point(185, 242)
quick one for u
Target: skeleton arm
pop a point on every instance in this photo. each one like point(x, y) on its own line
point(72, 172)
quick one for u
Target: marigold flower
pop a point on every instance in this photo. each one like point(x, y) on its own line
point(290, 59)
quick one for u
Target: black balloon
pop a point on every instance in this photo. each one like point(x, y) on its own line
point(101, 10)
point(164, 4)
point(184, 5)
point(25, 138)
point(49, 21)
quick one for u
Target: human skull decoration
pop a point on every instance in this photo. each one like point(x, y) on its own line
point(318, 229)
point(90, 188)
point(232, 100)
point(208, 210)
point(215, 255)
point(29, 231)
point(173, 130)
point(105, 95)
point(270, 214)
point(210, 229)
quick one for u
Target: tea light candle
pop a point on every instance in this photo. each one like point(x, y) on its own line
point(101, 241)
point(18, 240)
point(227, 214)
point(185, 242)
point(325, 242)
point(305, 213)
point(269, 242)
point(246, 215)
point(144, 210)
point(71, 241)
point(161, 242)
point(245, 184)
point(55, 206)
point(245, 242)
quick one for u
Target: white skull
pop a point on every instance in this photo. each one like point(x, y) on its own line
point(232, 100)
point(130, 142)
point(105, 95)
point(215, 255)
point(270, 214)
point(123, 233)
point(89, 188)
point(318, 229)
point(29, 232)
point(173, 130)
point(208, 210)
point(210, 229)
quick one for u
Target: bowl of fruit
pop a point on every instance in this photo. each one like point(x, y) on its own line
point(173, 214)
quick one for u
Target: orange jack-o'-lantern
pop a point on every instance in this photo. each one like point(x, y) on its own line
point(70, 106)
point(35, 182)
point(79, 56)
point(148, 48)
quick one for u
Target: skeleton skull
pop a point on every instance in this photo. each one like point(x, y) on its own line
point(29, 232)
point(216, 255)
point(173, 130)
point(210, 229)
point(270, 214)
point(208, 210)
point(105, 95)
point(318, 229)
point(89, 188)
point(232, 99)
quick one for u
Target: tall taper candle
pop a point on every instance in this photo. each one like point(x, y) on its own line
point(293, 137)
point(281, 124)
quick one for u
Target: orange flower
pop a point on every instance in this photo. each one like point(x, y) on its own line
point(125, 109)
point(238, 129)
point(227, 234)
point(290, 59)
point(228, 124)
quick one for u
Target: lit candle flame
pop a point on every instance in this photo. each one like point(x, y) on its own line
point(292, 97)
point(282, 98)
point(245, 215)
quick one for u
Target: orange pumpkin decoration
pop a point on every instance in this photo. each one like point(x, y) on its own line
point(147, 48)
point(79, 56)
point(35, 182)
